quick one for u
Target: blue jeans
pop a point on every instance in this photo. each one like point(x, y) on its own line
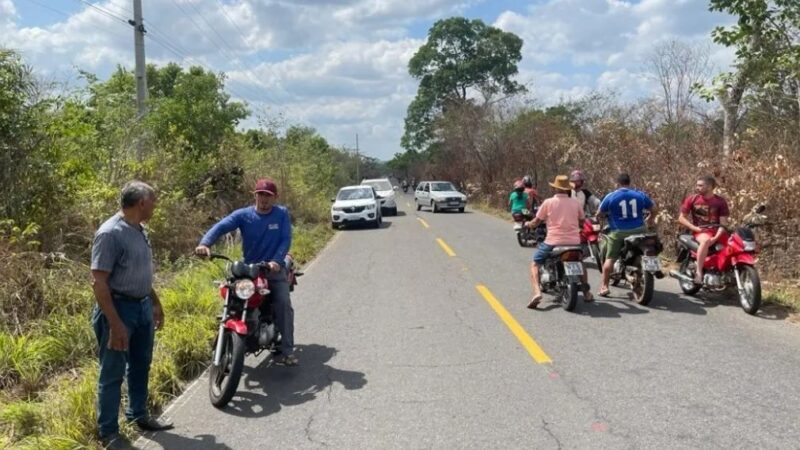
point(115, 365)
point(282, 307)
point(542, 253)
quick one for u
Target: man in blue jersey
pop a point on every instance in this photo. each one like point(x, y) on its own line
point(266, 237)
point(625, 209)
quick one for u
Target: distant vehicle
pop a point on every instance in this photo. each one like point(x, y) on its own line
point(438, 196)
point(384, 188)
point(354, 204)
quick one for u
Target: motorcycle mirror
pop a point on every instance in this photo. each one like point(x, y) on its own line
point(760, 209)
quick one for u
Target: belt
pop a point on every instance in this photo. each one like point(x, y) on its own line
point(128, 298)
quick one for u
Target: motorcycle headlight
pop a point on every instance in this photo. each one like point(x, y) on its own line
point(596, 227)
point(749, 246)
point(244, 289)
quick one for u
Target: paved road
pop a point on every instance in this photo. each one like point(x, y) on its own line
point(405, 345)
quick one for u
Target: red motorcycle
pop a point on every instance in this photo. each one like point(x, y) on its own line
point(590, 238)
point(730, 262)
point(247, 324)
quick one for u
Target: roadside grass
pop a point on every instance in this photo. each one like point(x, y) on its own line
point(48, 375)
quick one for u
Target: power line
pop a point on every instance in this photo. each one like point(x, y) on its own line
point(257, 94)
point(104, 12)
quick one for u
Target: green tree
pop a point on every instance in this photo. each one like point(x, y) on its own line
point(460, 56)
point(767, 41)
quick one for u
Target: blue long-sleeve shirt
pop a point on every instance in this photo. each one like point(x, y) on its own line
point(265, 237)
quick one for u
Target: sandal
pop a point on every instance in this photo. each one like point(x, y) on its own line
point(588, 297)
point(535, 301)
point(288, 360)
point(604, 293)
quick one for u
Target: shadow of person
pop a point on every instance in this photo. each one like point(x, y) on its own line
point(609, 307)
point(267, 387)
point(169, 441)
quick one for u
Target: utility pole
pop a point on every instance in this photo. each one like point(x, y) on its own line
point(141, 70)
point(358, 163)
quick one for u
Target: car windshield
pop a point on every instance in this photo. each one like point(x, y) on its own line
point(379, 185)
point(355, 194)
point(442, 187)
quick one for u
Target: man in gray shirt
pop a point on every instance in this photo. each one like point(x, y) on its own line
point(127, 313)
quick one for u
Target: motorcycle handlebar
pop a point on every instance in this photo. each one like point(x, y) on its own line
point(219, 256)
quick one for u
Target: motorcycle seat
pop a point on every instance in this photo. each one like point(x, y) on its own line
point(636, 238)
point(558, 251)
point(689, 242)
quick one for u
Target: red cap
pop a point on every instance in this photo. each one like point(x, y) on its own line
point(265, 185)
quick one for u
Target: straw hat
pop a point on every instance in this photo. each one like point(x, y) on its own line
point(561, 183)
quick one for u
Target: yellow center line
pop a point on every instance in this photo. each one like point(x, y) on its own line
point(524, 338)
point(424, 224)
point(445, 247)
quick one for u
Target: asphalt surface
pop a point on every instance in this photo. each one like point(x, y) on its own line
point(399, 348)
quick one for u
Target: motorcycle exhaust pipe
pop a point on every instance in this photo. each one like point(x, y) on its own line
point(679, 276)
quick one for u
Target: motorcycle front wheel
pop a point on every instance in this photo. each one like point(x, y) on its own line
point(598, 258)
point(750, 295)
point(223, 380)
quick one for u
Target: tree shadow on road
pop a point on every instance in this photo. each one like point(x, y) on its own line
point(267, 388)
point(169, 441)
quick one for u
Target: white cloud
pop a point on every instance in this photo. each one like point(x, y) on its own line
point(341, 65)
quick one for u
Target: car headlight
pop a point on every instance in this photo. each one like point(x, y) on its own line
point(244, 289)
point(337, 208)
point(370, 206)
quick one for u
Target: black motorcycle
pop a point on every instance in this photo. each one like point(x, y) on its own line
point(527, 236)
point(638, 264)
point(562, 273)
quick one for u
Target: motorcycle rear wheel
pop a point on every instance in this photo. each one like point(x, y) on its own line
point(223, 380)
point(570, 299)
point(642, 288)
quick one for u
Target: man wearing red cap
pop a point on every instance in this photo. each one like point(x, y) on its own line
point(266, 237)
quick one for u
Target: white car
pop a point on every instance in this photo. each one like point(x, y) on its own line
point(439, 195)
point(354, 204)
point(384, 188)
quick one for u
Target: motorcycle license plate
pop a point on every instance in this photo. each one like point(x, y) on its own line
point(518, 226)
point(573, 268)
point(651, 263)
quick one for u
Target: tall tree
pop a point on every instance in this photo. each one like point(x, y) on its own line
point(460, 57)
point(767, 41)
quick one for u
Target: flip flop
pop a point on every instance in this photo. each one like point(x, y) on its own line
point(588, 297)
point(535, 301)
point(606, 293)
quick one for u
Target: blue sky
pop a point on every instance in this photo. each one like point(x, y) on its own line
point(340, 65)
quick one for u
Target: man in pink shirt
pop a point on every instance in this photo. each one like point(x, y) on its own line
point(563, 216)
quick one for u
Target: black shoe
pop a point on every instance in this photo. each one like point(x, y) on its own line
point(116, 442)
point(152, 424)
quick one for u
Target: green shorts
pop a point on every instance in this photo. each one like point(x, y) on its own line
point(616, 239)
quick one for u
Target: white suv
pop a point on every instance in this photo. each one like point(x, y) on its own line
point(356, 204)
point(384, 188)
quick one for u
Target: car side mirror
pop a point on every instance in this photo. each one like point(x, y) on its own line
point(761, 208)
point(333, 200)
point(396, 188)
point(378, 197)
